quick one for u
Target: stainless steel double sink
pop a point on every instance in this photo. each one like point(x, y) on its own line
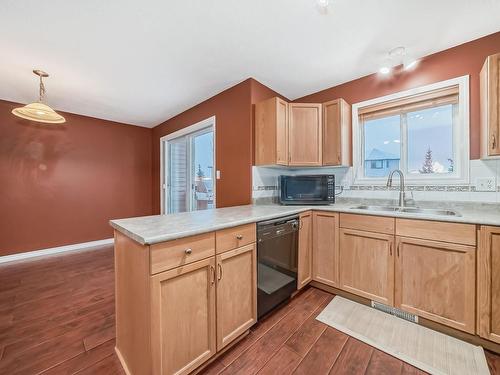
point(409, 210)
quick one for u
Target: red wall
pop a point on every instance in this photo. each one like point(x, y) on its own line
point(464, 59)
point(62, 184)
point(233, 144)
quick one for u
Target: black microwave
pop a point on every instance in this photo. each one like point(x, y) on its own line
point(307, 189)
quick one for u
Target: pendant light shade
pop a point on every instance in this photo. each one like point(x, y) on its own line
point(38, 111)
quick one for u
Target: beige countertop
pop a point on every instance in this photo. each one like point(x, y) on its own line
point(160, 228)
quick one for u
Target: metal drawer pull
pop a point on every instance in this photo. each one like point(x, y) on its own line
point(390, 249)
point(212, 273)
point(493, 142)
point(220, 271)
point(188, 251)
point(239, 237)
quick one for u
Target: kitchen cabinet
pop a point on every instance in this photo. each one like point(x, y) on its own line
point(326, 248)
point(436, 280)
point(271, 132)
point(488, 283)
point(305, 134)
point(489, 79)
point(305, 250)
point(337, 133)
point(236, 293)
point(367, 264)
point(183, 308)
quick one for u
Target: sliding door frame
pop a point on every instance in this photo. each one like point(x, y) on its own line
point(164, 162)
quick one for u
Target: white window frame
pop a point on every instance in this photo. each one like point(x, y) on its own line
point(460, 137)
point(195, 128)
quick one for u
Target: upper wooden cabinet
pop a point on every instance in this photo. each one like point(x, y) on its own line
point(271, 132)
point(436, 280)
point(305, 250)
point(326, 248)
point(305, 136)
point(488, 283)
point(302, 134)
point(337, 133)
point(490, 107)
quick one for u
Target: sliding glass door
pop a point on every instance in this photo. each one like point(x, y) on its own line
point(189, 181)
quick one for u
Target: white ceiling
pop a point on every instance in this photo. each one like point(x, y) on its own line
point(142, 62)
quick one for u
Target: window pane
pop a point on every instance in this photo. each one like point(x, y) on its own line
point(382, 146)
point(430, 140)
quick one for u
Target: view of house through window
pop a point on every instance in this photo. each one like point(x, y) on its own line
point(420, 135)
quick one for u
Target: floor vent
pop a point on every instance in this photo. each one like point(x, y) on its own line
point(396, 312)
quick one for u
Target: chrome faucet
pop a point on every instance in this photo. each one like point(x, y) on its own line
point(401, 186)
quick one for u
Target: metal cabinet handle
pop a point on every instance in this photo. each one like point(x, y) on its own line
point(493, 141)
point(212, 274)
point(390, 249)
point(188, 251)
point(220, 271)
point(399, 246)
point(239, 237)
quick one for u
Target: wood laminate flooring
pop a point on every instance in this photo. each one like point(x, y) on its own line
point(57, 317)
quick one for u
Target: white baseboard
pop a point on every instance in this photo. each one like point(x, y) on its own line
point(55, 250)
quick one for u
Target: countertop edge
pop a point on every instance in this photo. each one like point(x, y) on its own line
point(291, 211)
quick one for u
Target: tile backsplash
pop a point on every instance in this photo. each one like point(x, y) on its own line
point(265, 184)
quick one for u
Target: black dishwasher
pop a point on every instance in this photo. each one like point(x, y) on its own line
point(277, 246)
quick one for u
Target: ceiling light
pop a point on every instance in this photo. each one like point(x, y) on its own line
point(385, 70)
point(322, 6)
point(38, 111)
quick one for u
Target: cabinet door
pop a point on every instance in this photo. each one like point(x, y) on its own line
point(436, 280)
point(305, 250)
point(336, 133)
point(236, 293)
point(326, 248)
point(488, 283)
point(367, 265)
point(490, 106)
point(271, 132)
point(183, 317)
point(304, 134)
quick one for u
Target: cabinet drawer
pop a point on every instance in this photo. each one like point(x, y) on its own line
point(231, 238)
point(378, 224)
point(175, 253)
point(464, 234)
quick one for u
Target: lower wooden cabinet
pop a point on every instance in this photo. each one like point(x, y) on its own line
point(367, 264)
point(326, 248)
point(236, 293)
point(488, 283)
point(436, 280)
point(183, 317)
point(304, 273)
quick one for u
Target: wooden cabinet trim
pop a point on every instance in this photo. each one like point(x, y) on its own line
point(337, 133)
point(490, 106)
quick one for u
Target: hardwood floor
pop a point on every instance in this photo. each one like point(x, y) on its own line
point(57, 317)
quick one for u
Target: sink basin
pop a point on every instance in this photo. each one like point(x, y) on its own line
point(410, 210)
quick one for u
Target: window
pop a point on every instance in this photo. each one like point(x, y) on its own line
point(423, 132)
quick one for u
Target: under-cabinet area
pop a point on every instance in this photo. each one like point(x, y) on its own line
point(440, 272)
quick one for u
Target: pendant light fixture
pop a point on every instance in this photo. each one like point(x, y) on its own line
point(38, 111)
